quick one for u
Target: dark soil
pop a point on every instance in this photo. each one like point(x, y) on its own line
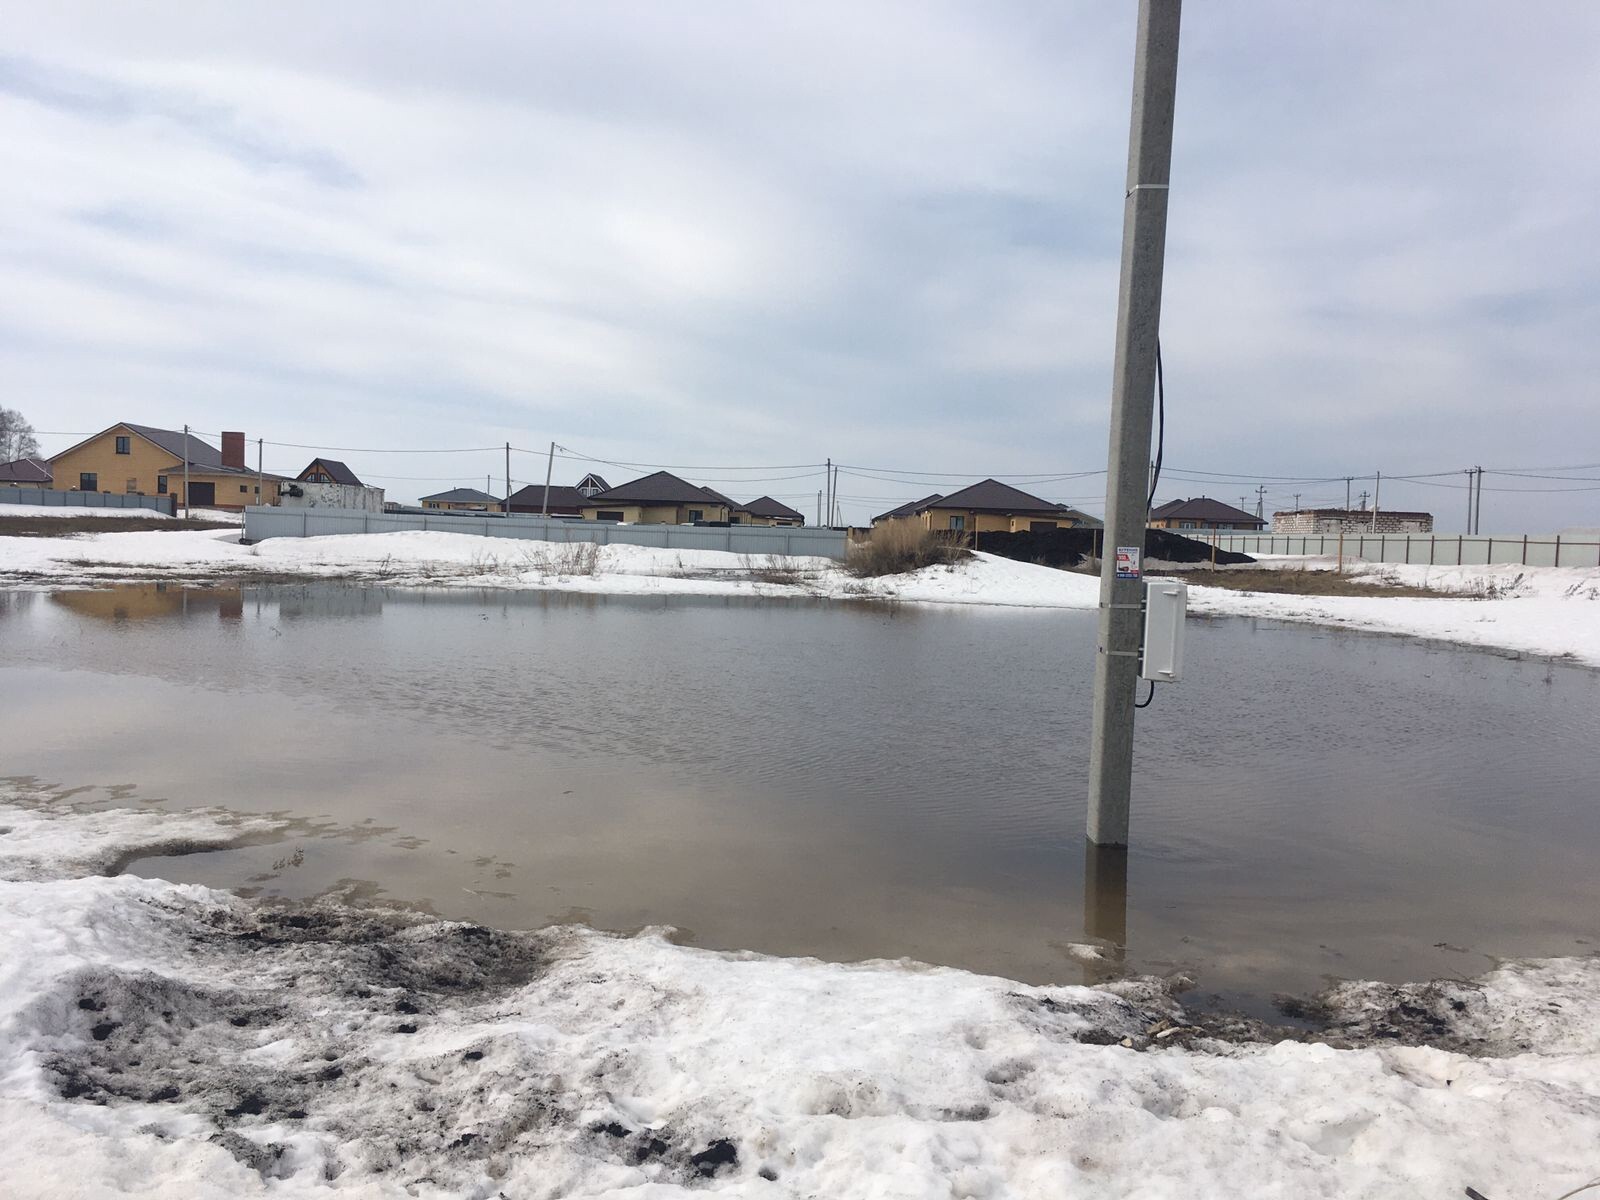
point(1070, 547)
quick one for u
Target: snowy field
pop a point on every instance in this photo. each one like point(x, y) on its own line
point(1542, 611)
point(163, 1040)
point(53, 512)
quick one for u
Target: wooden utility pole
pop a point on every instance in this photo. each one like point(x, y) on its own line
point(1144, 241)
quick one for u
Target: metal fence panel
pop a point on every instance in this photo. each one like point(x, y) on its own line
point(261, 523)
point(50, 498)
point(1426, 549)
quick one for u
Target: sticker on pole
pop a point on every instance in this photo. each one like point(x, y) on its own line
point(1127, 562)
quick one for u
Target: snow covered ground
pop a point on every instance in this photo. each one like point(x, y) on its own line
point(47, 512)
point(161, 1040)
point(1541, 611)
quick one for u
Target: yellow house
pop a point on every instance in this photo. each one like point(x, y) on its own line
point(987, 507)
point(464, 500)
point(767, 511)
point(659, 499)
point(140, 460)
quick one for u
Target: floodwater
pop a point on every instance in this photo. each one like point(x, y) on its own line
point(832, 779)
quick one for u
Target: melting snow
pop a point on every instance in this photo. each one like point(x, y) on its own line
point(159, 1039)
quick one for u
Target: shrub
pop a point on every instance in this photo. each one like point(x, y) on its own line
point(896, 547)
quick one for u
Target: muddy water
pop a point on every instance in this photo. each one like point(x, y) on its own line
point(836, 780)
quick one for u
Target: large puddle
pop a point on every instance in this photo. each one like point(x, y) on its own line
point(835, 779)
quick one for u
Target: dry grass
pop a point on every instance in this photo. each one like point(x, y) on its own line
point(563, 559)
point(1303, 582)
point(897, 547)
point(65, 526)
point(774, 568)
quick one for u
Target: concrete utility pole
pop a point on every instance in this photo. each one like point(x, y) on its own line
point(1297, 501)
point(827, 468)
point(1347, 480)
point(261, 492)
point(1144, 241)
point(1261, 501)
point(185, 472)
point(1377, 490)
point(549, 466)
point(508, 479)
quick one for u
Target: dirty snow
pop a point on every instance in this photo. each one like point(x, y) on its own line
point(160, 1039)
point(1543, 611)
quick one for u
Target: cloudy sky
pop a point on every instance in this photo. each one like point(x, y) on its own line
point(757, 235)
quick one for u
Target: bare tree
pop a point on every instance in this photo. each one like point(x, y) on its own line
point(16, 436)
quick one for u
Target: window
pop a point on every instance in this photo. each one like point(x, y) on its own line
point(607, 516)
point(258, 489)
point(1185, 524)
point(958, 522)
point(1041, 526)
point(161, 485)
point(131, 485)
point(124, 445)
point(244, 489)
point(697, 514)
point(88, 482)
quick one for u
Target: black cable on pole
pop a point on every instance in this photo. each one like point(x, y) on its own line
point(1149, 697)
point(1161, 435)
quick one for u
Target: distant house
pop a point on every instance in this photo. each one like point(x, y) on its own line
point(141, 460)
point(329, 470)
point(658, 499)
point(766, 511)
point(1202, 513)
point(1351, 520)
point(463, 500)
point(565, 500)
point(988, 507)
point(25, 472)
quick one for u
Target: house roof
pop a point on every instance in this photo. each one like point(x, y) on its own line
point(1202, 508)
point(766, 506)
point(25, 470)
point(993, 496)
point(562, 497)
point(659, 488)
point(464, 496)
point(203, 456)
point(335, 468)
point(909, 507)
point(593, 480)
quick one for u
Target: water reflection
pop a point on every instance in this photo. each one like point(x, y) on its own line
point(1105, 907)
point(152, 602)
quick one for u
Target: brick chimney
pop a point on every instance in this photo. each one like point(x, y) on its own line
point(233, 449)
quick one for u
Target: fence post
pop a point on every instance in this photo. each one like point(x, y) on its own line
point(1488, 557)
point(1558, 550)
point(1408, 549)
point(1524, 549)
point(1458, 549)
point(1383, 547)
point(1432, 542)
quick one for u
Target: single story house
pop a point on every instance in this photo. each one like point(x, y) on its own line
point(328, 470)
point(658, 499)
point(988, 507)
point(141, 460)
point(565, 500)
point(463, 499)
point(1203, 513)
point(767, 511)
point(1351, 520)
point(25, 472)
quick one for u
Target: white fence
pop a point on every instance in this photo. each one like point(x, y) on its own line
point(261, 523)
point(1429, 549)
point(49, 498)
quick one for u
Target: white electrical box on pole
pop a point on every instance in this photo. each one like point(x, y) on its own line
point(1144, 241)
point(1166, 603)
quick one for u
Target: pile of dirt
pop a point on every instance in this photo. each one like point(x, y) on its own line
point(1070, 547)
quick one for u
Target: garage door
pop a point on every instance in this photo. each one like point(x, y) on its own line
point(203, 495)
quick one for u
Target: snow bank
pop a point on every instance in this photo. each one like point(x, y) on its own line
point(1526, 610)
point(1548, 611)
point(158, 1039)
point(40, 510)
